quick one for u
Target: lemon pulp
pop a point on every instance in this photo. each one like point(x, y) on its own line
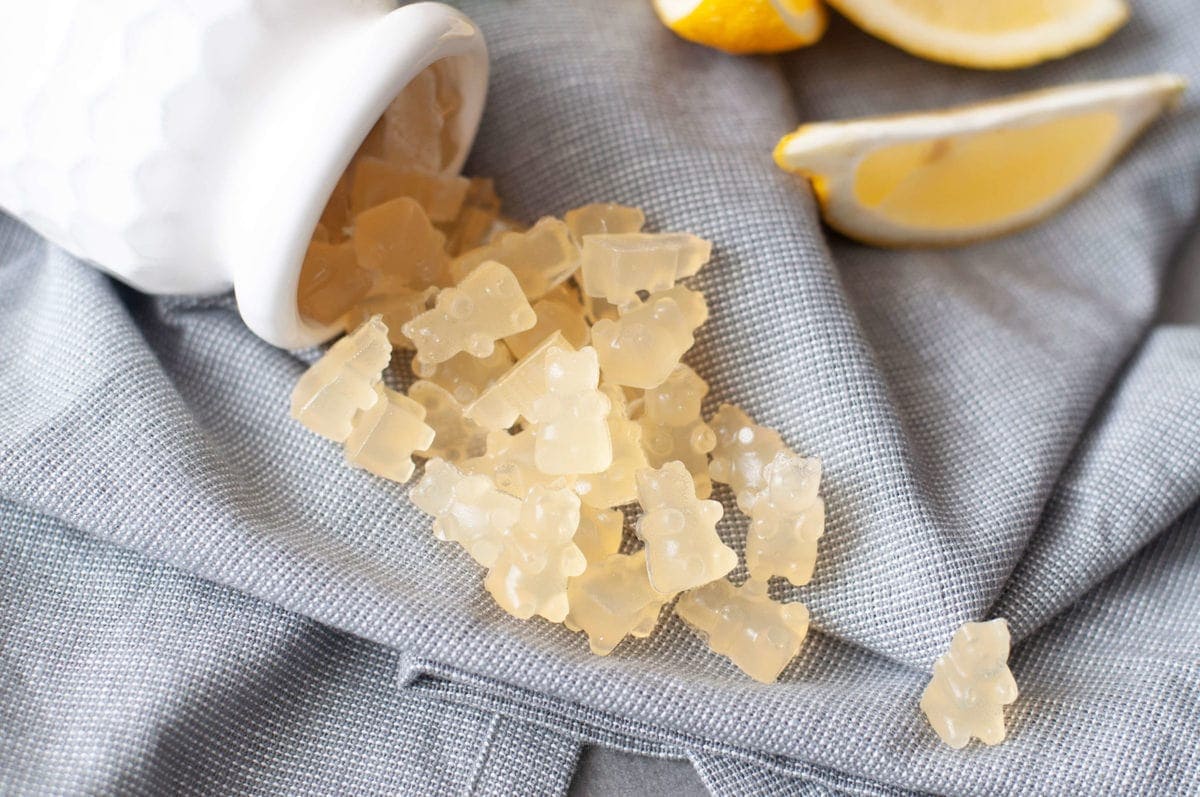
point(992, 18)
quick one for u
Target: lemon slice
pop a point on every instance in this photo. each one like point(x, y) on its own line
point(988, 34)
point(971, 172)
point(745, 26)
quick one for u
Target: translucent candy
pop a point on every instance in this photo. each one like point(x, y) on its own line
point(483, 308)
point(743, 450)
point(513, 395)
point(787, 520)
point(615, 485)
point(397, 239)
point(541, 258)
point(457, 437)
point(386, 435)
point(642, 347)
point(616, 267)
point(971, 685)
point(599, 533)
point(335, 217)
point(742, 623)
point(613, 599)
point(682, 547)
point(467, 509)
point(552, 316)
point(603, 218)
point(412, 125)
point(340, 384)
point(396, 307)
point(530, 577)
point(672, 428)
point(465, 376)
point(508, 460)
point(570, 421)
point(331, 281)
point(376, 181)
point(479, 210)
point(595, 309)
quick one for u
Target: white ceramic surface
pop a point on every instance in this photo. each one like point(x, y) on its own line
point(185, 146)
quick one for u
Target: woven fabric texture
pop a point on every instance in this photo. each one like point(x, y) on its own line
point(198, 595)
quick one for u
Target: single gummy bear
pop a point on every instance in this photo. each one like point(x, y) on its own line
point(615, 485)
point(467, 509)
point(513, 394)
point(340, 384)
point(386, 435)
point(682, 547)
point(613, 599)
point(331, 281)
point(457, 437)
point(541, 257)
point(603, 218)
point(743, 449)
point(570, 421)
point(787, 520)
point(642, 347)
point(672, 428)
point(484, 307)
point(539, 557)
point(971, 685)
point(742, 623)
point(398, 240)
point(617, 267)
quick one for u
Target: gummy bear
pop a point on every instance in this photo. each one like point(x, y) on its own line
point(743, 449)
point(642, 347)
point(672, 428)
point(340, 384)
point(466, 376)
point(397, 307)
point(602, 218)
point(376, 181)
point(541, 257)
point(412, 125)
point(682, 547)
point(552, 316)
point(530, 577)
point(786, 520)
point(467, 509)
point(599, 533)
point(509, 461)
point(615, 485)
point(331, 281)
point(397, 239)
point(386, 435)
point(513, 394)
point(456, 436)
point(479, 210)
point(617, 267)
point(486, 306)
point(570, 420)
point(971, 685)
point(742, 623)
point(613, 599)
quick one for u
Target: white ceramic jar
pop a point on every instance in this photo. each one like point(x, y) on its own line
point(186, 146)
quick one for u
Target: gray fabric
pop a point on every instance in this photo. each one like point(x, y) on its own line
point(1005, 431)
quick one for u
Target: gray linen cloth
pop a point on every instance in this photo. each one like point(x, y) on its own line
point(197, 595)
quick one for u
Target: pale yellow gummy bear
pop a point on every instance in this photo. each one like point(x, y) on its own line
point(479, 210)
point(613, 599)
point(642, 347)
point(615, 485)
point(742, 623)
point(386, 435)
point(603, 218)
point(376, 181)
point(570, 420)
point(786, 520)
point(398, 240)
point(331, 281)
point(971, 685)
point(599, 533)
point(412, 125)
point(682, 547)
point(743, 449)
point(617, 267)
point(673, 429)
point(541, 257)
point(467, 509)
point(508, 460)
point(466, 376)
point(513, 394)
point(552, 316)
point(457, 437)
point(396, 306)
point(340, 384)
point(486, 306)
point(530, 577)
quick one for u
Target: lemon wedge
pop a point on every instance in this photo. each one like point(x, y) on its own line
point(987, 34)
point(962, 174)
point(745, 26)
